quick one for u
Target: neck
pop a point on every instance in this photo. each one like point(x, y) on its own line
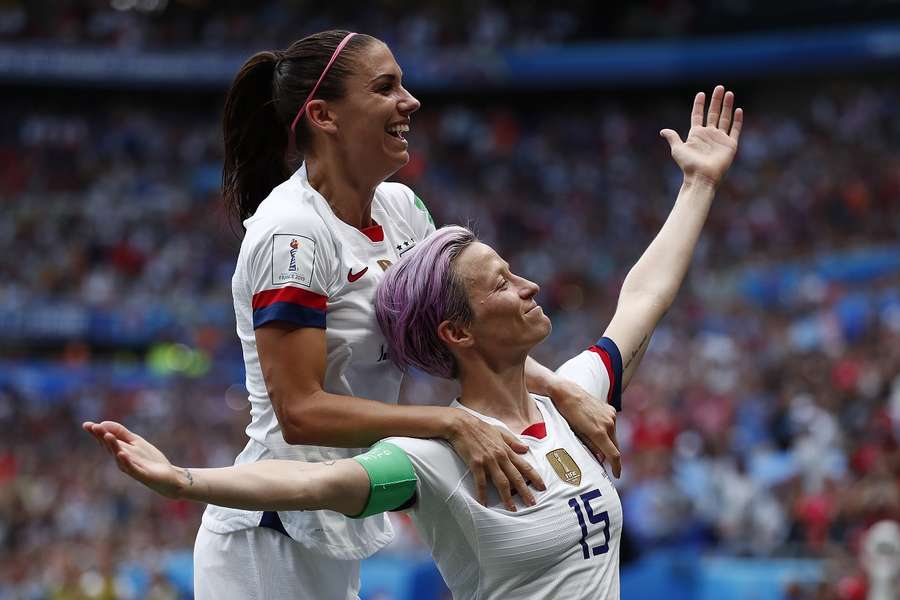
point(348, 195)
point(498, 391)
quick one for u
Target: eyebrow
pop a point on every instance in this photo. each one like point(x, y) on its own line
point(503, 267)
point(388, 76)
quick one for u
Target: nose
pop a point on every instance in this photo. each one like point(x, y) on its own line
point(408, 104)
point(529, 289)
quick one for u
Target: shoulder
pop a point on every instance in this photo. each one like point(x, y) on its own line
point(396, 194)
point(401, 201)
point(423, 449)
point(433, 459)
point(288, 209)
point(438, 468)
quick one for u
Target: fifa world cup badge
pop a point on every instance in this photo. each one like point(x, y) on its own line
point(564, 466)
point(293, 258)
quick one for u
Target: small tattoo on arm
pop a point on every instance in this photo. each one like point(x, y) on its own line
point(636, 351)
point(190, 478)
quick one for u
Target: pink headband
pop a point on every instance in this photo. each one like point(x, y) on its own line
point(334, 56)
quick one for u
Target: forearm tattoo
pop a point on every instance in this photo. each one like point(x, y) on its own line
point(636, 351)
point(190, 478)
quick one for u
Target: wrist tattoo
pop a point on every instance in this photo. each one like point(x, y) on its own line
point(190, 478)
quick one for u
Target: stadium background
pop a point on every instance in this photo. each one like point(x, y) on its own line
point(760, 437)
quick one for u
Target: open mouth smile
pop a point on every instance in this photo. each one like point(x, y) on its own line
point(398, 131)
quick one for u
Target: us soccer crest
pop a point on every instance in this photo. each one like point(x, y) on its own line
point(564, 466)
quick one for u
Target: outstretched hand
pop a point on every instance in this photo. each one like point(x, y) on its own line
point(709, 148)
point(136, 457)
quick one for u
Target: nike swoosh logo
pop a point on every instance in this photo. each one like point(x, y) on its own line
point(351, 276)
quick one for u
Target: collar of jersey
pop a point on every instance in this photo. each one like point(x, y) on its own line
point(301, 176)
point(499, 423)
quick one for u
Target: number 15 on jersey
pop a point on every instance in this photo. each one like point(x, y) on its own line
point(584, 500)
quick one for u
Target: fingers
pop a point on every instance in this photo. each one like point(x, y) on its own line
point(738, 123)
point(112, 443)
point(501, 482)
point(91, 428)
point(610, 450)
point(697, 110)
point(725, 117)
point(480, 483)
point(519, 473)
point(530, 474)
point(721, 115)
point(672, 137)
point(715, 106)
point(515, 444)
point(120, 431)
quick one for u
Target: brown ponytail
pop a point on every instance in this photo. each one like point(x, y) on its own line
point(264, 98)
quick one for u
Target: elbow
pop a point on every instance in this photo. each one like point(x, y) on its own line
point(293, 435)
point(659, 292)
point(297, 425)
point(298, 431)
point(651, 302)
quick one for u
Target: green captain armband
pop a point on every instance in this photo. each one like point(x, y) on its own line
point(392, 479)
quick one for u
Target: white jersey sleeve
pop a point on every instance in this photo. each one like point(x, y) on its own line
point(598, 370)
point(438, 470)
point(412, 207)
point(290, 262)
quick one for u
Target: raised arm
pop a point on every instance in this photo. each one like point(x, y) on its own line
point(342, 485)
point(654, 281)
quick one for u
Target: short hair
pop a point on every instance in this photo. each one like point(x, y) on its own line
point(419, 293)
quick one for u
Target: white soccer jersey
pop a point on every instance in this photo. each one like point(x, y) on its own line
point(301, 264)
point(566, 546)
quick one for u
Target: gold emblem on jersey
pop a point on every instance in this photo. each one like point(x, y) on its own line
point(384, 264)
point(564, 466)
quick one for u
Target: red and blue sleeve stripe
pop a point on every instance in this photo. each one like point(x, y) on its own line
point(608, 352)
point(294, 305)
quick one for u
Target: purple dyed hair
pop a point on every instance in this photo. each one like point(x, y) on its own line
point(420, 292)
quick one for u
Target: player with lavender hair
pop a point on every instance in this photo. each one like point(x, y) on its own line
point(417, 295)
point(453, 308)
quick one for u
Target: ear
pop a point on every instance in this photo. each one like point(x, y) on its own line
point(320, 117)
point(454, 335)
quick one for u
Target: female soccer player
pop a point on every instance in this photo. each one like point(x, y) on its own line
point(316, 245)
point(453, 308)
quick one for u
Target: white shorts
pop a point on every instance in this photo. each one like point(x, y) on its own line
point(263, 564)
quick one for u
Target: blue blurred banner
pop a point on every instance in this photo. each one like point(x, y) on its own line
point(636, 63)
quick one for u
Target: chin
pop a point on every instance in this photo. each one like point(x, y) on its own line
point(394, 163)
point(542, 331)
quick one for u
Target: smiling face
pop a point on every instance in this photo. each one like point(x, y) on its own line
point(371, 120)
point(506, 320)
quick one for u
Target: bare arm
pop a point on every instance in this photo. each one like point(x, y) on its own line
point(342, 486)
point(293, 362)
point(652, 284)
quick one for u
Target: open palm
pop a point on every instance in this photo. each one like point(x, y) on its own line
point(135, 456)
point(710, 147)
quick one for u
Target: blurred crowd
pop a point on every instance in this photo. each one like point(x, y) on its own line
point(764, 420)
point(425, 25)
